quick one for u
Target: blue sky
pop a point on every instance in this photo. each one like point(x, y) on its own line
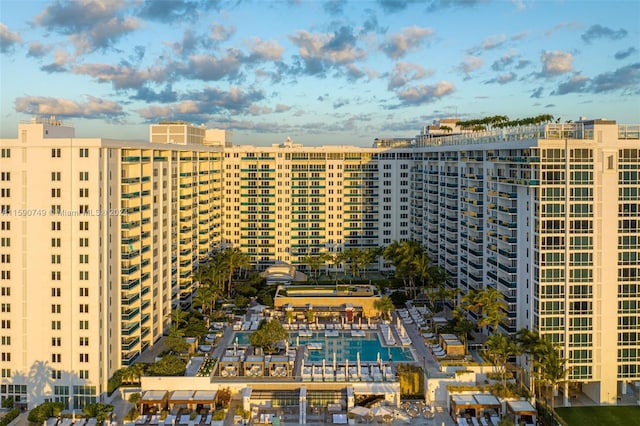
point(321, 72)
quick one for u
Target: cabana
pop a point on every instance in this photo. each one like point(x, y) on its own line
point(153, 401)
point(522, 412)
point(205, 399)
point(181, 399)
point(473, 406)
point(279, 366)
point(254, 366)
point(229, 366)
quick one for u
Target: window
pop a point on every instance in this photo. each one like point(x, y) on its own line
point(84, 291)
point(84, 324)
point(84, 357)
point(5, 324)
point(55, 152)
point(56, 357)
point(84, 308)
point(56, 341)
point(84, 192)
point(55, 308)
point(84, 258)
point(84, 242)
point(56, 325)
point(56, 226)
point(84, 341)
point(84, 275)
point(84, 374)
point(84, 152)
point(55, 192)
point(84, 225)
point(55, 275)
point(84, 176)
point(55, 176)
point(55, 242)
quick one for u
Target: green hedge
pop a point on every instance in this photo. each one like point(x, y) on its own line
point(11, 415)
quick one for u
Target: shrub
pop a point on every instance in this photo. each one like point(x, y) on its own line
point(9, 417)
point(42, 412)
point(219, 415)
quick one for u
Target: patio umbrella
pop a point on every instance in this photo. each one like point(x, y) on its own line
point(358, 363)
point(360, 411)
point(324, 366)
point(334, 360)
point(346, 367)
point(380, 412)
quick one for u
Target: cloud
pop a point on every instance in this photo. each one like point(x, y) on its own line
point(493, 42)
point(555, 63)
point(37, 50)
point(121, 76)
point(170, 11)
point(503, 79)
point(435, 5)
point(470, 64)
point(576, 83)
point(627, 77)
point(371, 24)
point(406, 72)
point(573, 25)
point(198, 106)
point(60, 62)
point(334, 7)
point(8, 39)
point(146, 94)
point(520, 36)
point(282, 108)
point(502, 63)
point(92, 108)
point(393, 6)
point(265, 50)
point(190, 43)
point(409, 39)
point(320, 52)
point(211, 68)
point(537, 93)
point(340, 103)
point(259, 110)
point(423, 94)
point(597, 31)
point(623, 54)
point(222, 33)
point(90, 24)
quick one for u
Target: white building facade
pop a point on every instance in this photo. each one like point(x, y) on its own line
point(100, 239)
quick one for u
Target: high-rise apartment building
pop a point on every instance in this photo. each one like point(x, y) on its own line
point(104, 236)
point(548, 215)
point(97, 239)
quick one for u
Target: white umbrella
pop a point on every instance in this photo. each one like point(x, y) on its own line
point(334, 360)
point(360, 411)
point(378, 357)
point(358, 364)
point(346, 367)
point(324, 367)
point(297, 340)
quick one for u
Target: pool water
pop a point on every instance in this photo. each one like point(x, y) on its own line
point(345, 347)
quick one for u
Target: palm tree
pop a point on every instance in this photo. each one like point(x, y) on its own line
point(233, 259)
point(530, 343)
point(205, 298)
point(553, 368)
point(178, 317)
point(463, 327)
point(488, 304)
point(499, 349)
point(384, 305)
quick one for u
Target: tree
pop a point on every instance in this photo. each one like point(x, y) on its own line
point(98, 410)
point(552, 366)
point(488, 304)
point(135, 399)
point(40, 413)
point(233, 259)
point(169, 365)
point(499, 349)
point(384, 305)
point(175, 340)
point(268, 334)
point(405, 257)
point(463, 327)
point(530, 343)
point(178, 317)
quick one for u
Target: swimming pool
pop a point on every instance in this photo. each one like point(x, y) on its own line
point(345, 347)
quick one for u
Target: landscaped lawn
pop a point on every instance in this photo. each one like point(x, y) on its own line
point(596, 416)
